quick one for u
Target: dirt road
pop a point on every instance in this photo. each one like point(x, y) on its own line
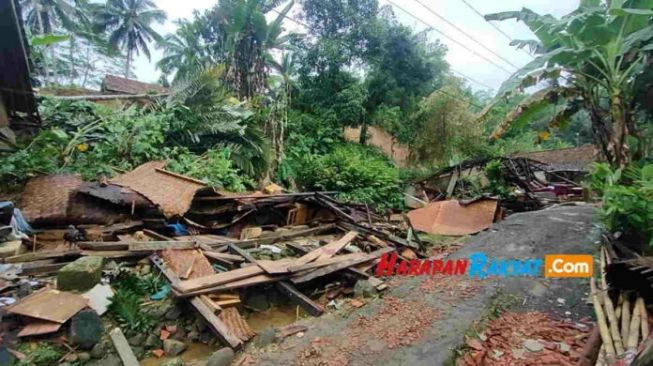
point(422, 320)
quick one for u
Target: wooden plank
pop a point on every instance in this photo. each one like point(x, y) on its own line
point(350, 270)
point(211, 304)
point(31, 257)
point(305, 277)
point(218, 279)
point(327, 262)
point(114, 254)
point(109, 245)
point(250, 243)
point(225, 256)
point(29, 269)
point(39, 327)
point(49, 304)
point(327, 251)
point(152, 246)
point(246, 282)
point(122, 347)
point(302, 300)
point(270, 267)
point(216, 324)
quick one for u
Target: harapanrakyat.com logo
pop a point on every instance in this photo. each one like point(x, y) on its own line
point(479, 265)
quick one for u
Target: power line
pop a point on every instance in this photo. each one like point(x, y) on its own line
point(471, 79)
point(449, 38)
point(465, 33)
point(493, 25)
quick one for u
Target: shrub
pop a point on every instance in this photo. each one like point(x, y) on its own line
point(361, 174)
point(627, 196)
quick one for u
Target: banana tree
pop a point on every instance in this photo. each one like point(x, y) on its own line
point(587, 60)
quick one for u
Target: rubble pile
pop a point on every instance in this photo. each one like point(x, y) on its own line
point(181, 247)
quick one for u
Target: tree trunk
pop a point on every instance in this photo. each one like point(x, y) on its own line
point(46, 67)
point(71, 56)
point(128, 63)
point(620, 131)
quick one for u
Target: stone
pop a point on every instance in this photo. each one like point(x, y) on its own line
point(153, 341)
point(193, 336)
point(99, 350)
point(83, 356)
point(177, 361)
point(533, 346)
point(364, 288)
point(173, 313)
point(174, 347)
point(109, 360)
point(265, 337)
point(221, 357)
point(158, 312)
point(86, 329)
point(80, 275)
point(137, 339)
point(138, 351)
point(71, 357)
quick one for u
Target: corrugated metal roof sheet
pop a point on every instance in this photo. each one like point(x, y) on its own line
point(119, 84)
point(452, 218)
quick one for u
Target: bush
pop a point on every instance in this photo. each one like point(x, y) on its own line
point(627, 196)
point(213, 167)
point(360, 174)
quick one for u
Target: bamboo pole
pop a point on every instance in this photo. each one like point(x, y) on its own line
point(609, 310)
point(635, 324)
point(625, 318)
point(644, 317)
point(602, 322)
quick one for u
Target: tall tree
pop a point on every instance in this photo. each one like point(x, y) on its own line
point(130, 24)
point(589, 60)
point(183, 52)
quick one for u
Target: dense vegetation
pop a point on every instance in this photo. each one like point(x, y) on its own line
point(251, 102)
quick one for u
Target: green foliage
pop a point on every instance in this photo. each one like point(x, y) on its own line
point(40, 354)
point(497, 184)
point(627, 196)
point(362, 175)
point(603, 50)
point(126, 309)
point(213, 167)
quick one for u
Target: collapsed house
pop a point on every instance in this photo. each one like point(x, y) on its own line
point(214, 248)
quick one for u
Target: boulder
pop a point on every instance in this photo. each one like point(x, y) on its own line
point(86, 329)
point(80, 275)
point(153, 341)
point(364, 288)
point(221, 357)
point(177, 361)
point(173, 347)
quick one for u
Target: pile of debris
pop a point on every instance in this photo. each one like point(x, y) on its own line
point(214, 248)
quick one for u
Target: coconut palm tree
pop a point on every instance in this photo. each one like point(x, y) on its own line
point(183, 51)
point(130, 24)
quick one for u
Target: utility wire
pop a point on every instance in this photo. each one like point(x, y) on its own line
point(449, 38)
point(465, 33)
point(493, 25)
point(471, 79)
point(437, 90)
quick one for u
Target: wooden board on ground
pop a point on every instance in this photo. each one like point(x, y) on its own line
point(236, 324)
point(328, 250)
point(216, 323)
point(39, 327)
point(296, 296)
point(122, 347)
point(153, 246)
point(329, 261)
point(218, 279)
point(53, 305)
point(31, 257)
point(280, 236)
point(179, 260)
point(259, 279)
point(323, 271)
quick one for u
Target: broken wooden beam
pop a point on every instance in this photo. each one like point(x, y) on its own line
point(299, 298)
point(327, 251)
point(153, 246)
point(337, 266)
point(218, 279)
point(36, 256)
point(281, 236)
point(215, 323)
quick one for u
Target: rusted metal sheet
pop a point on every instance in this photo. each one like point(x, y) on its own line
point(52, 305)
point(173, 193)
point(452, 218)
point(39, 327)
point(179, 260)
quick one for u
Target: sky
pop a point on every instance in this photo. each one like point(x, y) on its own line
point(463, 59)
